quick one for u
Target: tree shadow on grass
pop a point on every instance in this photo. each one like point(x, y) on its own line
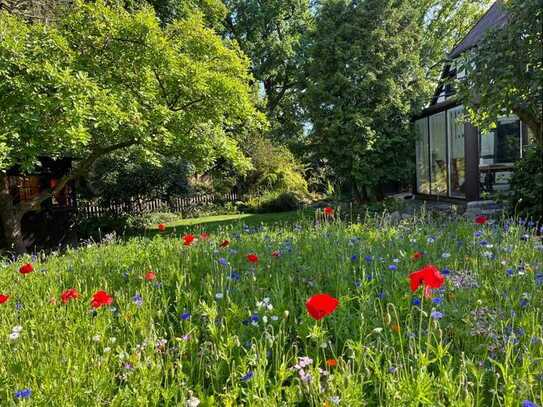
point(214, 223)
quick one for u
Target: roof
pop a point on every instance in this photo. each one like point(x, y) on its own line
point(495, 17)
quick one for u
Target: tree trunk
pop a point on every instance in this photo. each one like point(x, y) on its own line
point(532, 122)
point(10, 220)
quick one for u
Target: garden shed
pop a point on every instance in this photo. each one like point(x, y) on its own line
point(454, 159)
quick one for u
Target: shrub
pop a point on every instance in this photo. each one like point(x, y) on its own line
point(276, 202)
point(527, 185)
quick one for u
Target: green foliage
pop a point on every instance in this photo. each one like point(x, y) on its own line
point(275, 168)
point(505, 72)
point(273, 34)
point(270, 202)
point(527, 185)
point(486, 349)
point(131, 176)
point(103, 78)
point(363, 79)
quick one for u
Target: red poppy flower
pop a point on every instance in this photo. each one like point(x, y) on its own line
point(328, 211)
point(70, 294)
point(321, 305)
point(429, 276)
point(3, 298)
point(416, 256)
point(149, 276)
point(101, 298)
point(224, 243)
point(252, 258)
point(161, 227)
point(331, 363)
point(188, 239)
point(26, 268)
point(481, 219)
point(204, 235)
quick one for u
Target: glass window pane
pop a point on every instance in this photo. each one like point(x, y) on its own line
point(500, 148)
point(438, 154)
point(502, 145)
point(457, 165)
point(423, 175)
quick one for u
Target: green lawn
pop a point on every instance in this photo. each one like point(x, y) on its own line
point(212, 223)
point(211, 324)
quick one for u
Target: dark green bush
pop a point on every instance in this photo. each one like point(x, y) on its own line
point(276, 202)
point(527, 185)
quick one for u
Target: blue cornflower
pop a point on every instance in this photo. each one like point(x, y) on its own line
point(436, 315)
point(510, 272)
point(137, 299)
point(478, 234)
point(523, 303)
point(392, 369)
point(415, 301)
point(437, 300)
point(185, 316)
point(357, 283)
point(445, 271)
point(354, 257)
point(527, 403)
point(247, 376)
point(18, 306)
point(255, 318)
point(368, 259)
point(369, 277)
point(23, 394)
point(223, 261)
point(483, 243)
point(381, 295)
point(234, 275)
point(539, 279)
point(393, 267)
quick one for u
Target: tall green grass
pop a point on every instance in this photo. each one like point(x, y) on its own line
point(234, 350)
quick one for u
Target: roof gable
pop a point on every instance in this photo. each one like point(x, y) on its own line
point(495, 17)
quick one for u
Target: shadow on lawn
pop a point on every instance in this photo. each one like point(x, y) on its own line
point(212, 223)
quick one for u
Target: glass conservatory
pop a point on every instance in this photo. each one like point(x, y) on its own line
point(453, 159)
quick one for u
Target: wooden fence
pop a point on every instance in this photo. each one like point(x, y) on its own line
point(138, 206)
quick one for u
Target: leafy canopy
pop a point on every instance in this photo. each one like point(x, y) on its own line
point(363, 79)
point(103, 79)
point(504, 73)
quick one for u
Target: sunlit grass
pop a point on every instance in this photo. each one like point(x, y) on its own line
point(202, 329)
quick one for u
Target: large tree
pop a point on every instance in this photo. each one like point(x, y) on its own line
point(272, 33)
point(103, 80)
point(363, 79)
point(504, 73)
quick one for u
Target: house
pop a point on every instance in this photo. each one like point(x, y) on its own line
point(454, 160)
point(52, 225)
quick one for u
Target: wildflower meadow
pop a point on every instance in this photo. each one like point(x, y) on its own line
point(419, 312)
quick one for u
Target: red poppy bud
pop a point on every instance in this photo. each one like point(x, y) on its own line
point(26, 268)
point(481, 219)
point(101, 298)
point(70, 294)
point(188, 239)
point(252, 258)
point(150, 276)
point(3, 298)
point(416, 256)
point(328, 211)
point(161, 227)
point(224, 243)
